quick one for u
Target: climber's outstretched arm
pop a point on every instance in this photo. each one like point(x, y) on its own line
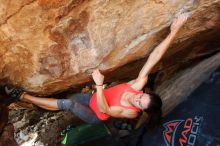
point(158, 52)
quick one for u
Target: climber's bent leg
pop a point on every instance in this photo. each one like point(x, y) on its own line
point(80, 110)
point(46, 103)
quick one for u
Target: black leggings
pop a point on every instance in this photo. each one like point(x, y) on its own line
point(78, 104)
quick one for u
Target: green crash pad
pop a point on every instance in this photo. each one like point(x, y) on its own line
point(85, 133)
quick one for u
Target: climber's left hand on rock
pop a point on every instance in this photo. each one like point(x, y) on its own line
point(178, 22)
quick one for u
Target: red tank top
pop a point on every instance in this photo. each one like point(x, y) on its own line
point(113, 97)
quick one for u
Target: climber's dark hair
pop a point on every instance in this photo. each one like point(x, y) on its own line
point(154, 111)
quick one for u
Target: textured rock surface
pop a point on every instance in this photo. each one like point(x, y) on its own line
point(39, 128)
point(49, 45)
point(175, 90)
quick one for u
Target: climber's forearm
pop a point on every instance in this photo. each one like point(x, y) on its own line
point(101, 101)
point(156, 55)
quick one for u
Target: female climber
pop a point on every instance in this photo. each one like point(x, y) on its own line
point(121, 101)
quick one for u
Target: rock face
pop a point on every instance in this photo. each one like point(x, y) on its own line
point(180, 86)
point(49, 45)
point(40, 128)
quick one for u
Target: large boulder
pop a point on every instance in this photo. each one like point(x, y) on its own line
point(48, 46)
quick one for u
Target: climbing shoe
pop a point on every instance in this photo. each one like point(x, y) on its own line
point(14, 92)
